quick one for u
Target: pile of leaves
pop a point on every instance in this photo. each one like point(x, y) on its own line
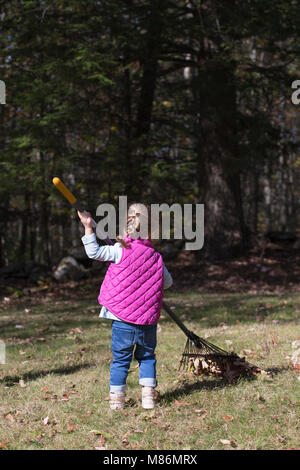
point(229, 368)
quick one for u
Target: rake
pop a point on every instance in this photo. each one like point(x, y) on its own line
point(200, 357)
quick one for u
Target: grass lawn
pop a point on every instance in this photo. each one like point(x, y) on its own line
point(54, 385)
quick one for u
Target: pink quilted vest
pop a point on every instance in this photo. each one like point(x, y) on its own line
point(133, 288)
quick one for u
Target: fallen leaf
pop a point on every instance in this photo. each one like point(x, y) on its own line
point(50, 396)
point(76, 330)
point(72, 427)
point(10, 418)
point(180, 403)
point(224, 441)
point(228, 442)
point(296, 360)
point(100, 444)
point(97, 432)
point(46, 420)
point(202, 414)
point(3, 445)
point(228, 418)
point(274, 341)
point(260, 398)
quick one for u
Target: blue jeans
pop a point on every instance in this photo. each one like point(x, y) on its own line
point(126, 336)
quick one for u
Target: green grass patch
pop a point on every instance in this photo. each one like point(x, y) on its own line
point(54, 385)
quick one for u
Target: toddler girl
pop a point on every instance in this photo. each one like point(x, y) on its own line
point(131, 295)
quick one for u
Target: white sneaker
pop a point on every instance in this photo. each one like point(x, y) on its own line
point(148, 397)
point(117, 401)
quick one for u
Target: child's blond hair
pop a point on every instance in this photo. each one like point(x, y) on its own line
point(137, 214)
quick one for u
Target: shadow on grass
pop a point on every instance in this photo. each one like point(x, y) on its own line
point(277, 370)
point(188, 388)
point(10, 381)
point(49, 327)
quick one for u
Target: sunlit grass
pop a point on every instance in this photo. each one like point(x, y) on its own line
point(54, 387)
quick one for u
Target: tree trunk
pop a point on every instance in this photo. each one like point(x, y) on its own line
point(219, 166)
point(24, 224)
point(149, 61)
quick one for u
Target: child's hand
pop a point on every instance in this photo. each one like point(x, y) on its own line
point(85, 219)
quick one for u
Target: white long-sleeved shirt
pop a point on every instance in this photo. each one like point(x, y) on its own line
point(112, 253)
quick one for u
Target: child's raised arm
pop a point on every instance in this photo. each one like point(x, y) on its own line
point(93, 250)
point(87, 222)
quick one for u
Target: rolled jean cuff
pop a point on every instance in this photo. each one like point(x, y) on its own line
point(117, 388)
point(148, 382)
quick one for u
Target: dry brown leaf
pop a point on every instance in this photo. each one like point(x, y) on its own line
point(179, 403)
point(260, 398)
point(228, 418)
point(10, 418)
point(228, 442)
point(274, 341)
point(98, 432)
point(202, 413)
point(72, 427)
point(50, 396)
point(100, 444)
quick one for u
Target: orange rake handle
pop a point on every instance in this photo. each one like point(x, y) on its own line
point(70, 197)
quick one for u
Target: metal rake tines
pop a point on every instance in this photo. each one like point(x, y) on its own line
point(202, 357)
point(196, 343)
point(199, 348)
